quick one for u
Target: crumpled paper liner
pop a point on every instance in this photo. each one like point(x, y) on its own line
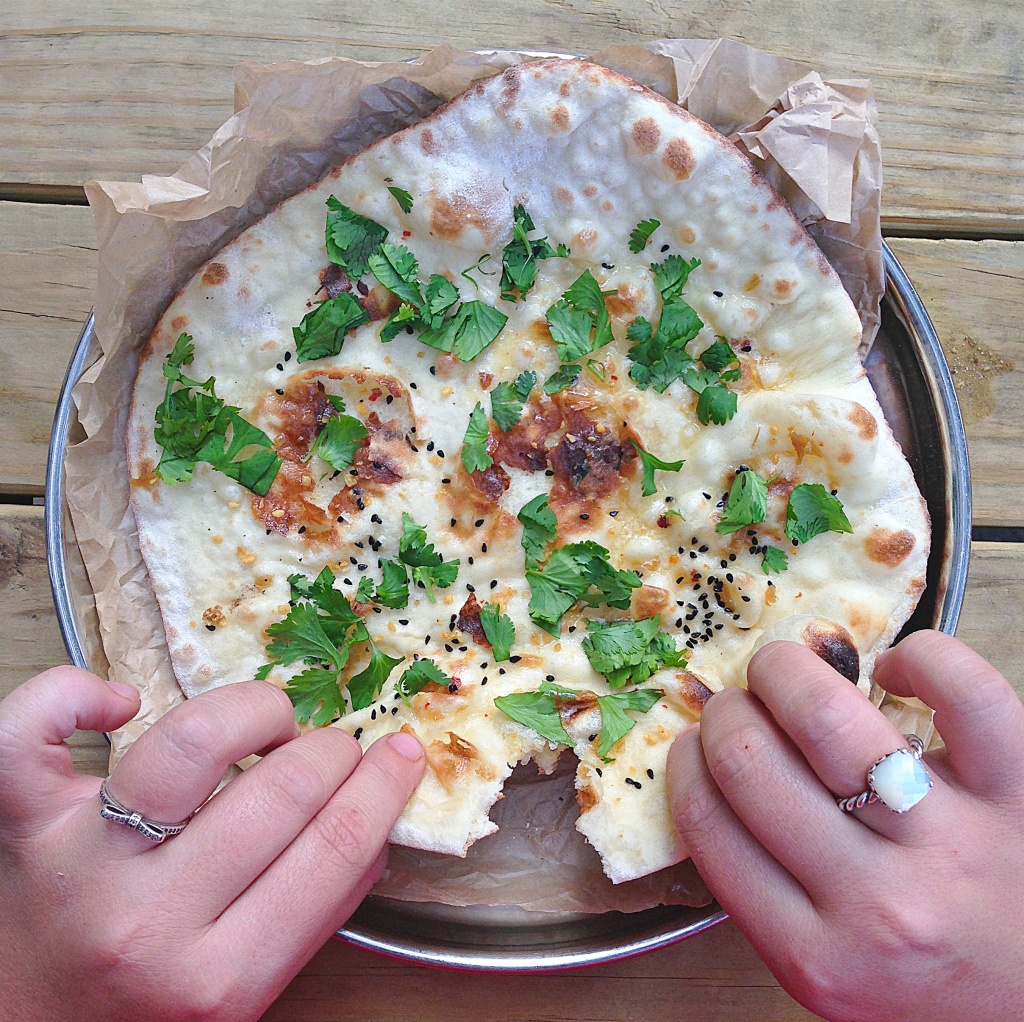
point(815, 140)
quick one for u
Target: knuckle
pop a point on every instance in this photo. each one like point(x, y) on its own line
point(194, 734)
point(296, 785)
point(830, 717)
point(740, 757)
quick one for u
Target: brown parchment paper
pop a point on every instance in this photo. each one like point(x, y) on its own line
point(815, 140)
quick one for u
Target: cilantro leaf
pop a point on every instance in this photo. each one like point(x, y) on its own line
point(364, 591)
point(629, 652)
point(562, 379)
point(351, 238)
point(615, 725)
point(641, 234)
point(506, 407)
point(660, 355)
point(472, 329)
point(812, 510)
point(573, 573)
point(716, 404)
point(393, 591)
point(671, 276)
point(192, 425)
point(396, 268)
point(538, 711)
point(774, 559)
point(365, 686)
point(301, 636)
point(570, 330)
point(418, 675)
point(519, 257)
point(718, 356)
point(441, 295)
point(402, 197)
point(499, 630)
point(525, 382)
point(323, 329)
point(539, 528)
point(597, 370)
point(338, 440)
point(650, 463)
point(474, 443)
point(428, 567)
point(316, 696)
point(747, 503)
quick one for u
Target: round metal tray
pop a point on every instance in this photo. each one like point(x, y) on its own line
point(909, 374)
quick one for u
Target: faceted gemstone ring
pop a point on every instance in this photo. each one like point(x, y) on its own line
point(898, 780)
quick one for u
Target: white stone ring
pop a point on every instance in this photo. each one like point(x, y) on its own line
point(898, 780)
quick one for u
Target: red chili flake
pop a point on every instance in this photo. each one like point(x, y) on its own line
point(614, 377)
point(662, 522)
point(375, 393)
point(406, 234)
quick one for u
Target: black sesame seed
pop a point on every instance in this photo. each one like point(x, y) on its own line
point(636, 784)
point(548, 472)
point(478, 523)
point(426, 640)
point(494, 583)
point(388, 399)
point(403, 620)
point(358, 731)
point(514, 659)
point(483, 680)
point(412, 384)
point(470, 559)
point(211, 628)
point(592, 738)
point(665, 248)
point(612, 514)
point(679, 622)
point(287, 356)
point(280, 367)
point(448, 647)
point(361, 566)
point(470, 587)
point(440, 453)
point(650, 773)
point(608, 266)
point(373, 714)
point(302, 529)
point(584, 517)
point(279, 393)
point(483, 548)
point(717, 294)
point(598, 771)
point(453, 523)
point(446, 481)
point(433, 370)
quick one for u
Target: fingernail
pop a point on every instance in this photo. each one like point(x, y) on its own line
point(124, 691)
point(406, 746)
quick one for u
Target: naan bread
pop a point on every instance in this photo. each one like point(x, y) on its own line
point(589, 154)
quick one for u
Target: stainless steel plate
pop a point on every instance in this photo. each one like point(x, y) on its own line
point(909, 373)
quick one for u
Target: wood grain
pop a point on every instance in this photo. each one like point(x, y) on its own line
point(30, 641)
point(47, 285)
point(119, 90)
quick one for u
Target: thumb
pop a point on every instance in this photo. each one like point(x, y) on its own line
point(35, 720)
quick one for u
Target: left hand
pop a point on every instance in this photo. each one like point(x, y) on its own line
point(867, 915)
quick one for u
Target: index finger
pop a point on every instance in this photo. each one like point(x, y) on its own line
point(317, 882)
point(978, 714)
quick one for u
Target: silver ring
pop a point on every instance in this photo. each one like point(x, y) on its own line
point(112, 810)
point(898, 780)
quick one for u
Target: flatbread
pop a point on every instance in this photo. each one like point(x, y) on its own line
point(590, 155)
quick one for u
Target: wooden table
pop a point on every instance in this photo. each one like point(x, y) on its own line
point(113, 90)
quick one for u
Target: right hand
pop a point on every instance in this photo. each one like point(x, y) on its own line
point(96, 921)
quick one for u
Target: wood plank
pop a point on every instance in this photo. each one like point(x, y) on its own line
point(47, 286)
point(116, 91)
point(30, 640)
point(974, 293)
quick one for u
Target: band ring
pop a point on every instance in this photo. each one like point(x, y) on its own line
point(112, 810)
point(898, 780)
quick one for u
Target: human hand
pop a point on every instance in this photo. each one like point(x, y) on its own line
point(867, 915)
point(97, 921)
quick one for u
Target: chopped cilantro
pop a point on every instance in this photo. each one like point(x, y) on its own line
point(320, 629)
point(774, 559)
point(418, 675)
point(615, 725)
point(539, 528)
point(579, 321)
point(323, 329)
point(441, 295)
point(365, 686)
point(716, 404)
point(498, 629)
point(562, 379)
point(397, 269)
point(629, 652)
point(428, 567)
point(474, 443)
point(506, 405)
point(538, 711)
point(519, 257)
point(660, 355)
point(479, 266)
point(578, 572)
point(402, 197)
point(468, 332)
point(393, 591)
point(597, 370)
point(192, 425)
point(641, 234)
point(351, 238)
point(747, 503)
point(719, 356)
point(525, 382)
point(671, 276)
point(338, 440)
point(364, 591)
point(650, 463)
point(812, 510)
